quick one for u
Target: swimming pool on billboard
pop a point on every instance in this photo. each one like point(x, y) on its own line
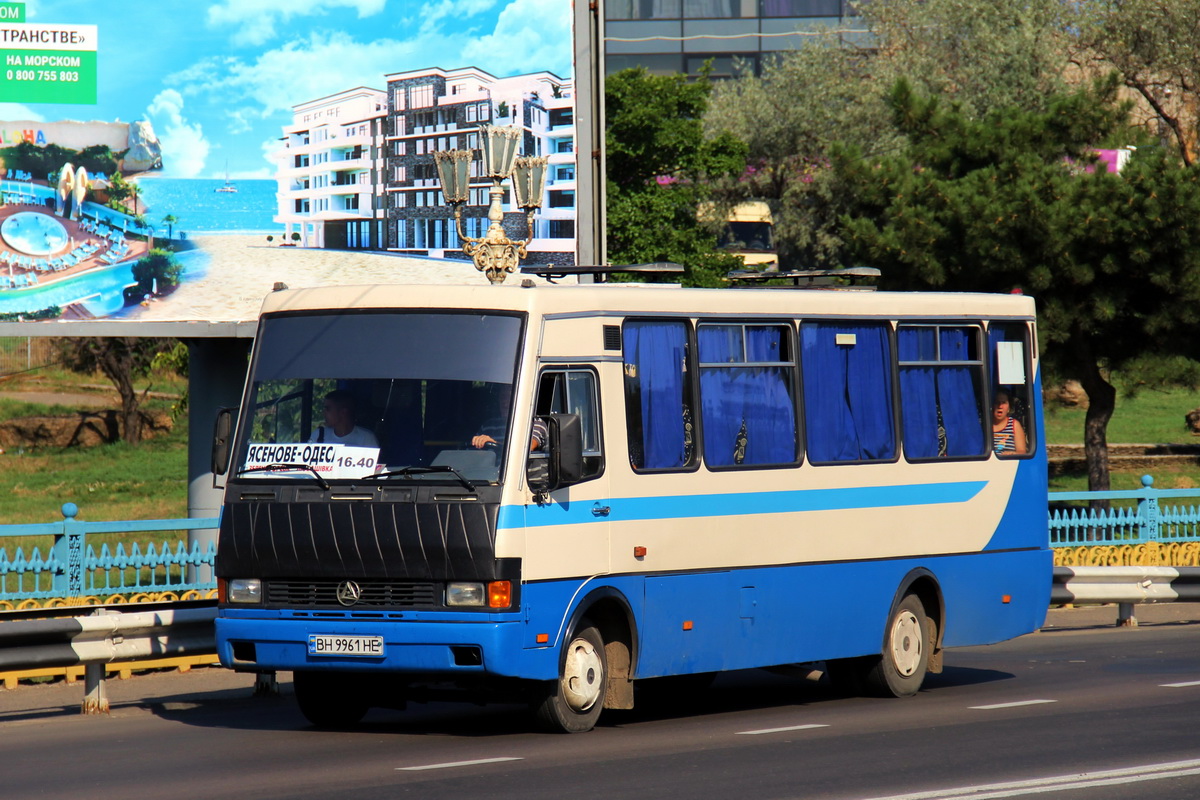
point(100, 291)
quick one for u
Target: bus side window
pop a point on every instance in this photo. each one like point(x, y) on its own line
point(747, 412)
point(658, 395)
point(941, 391)
point(847, 370)
point(1012, 423)
point(571, 391)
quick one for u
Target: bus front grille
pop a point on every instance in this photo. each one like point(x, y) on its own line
point(294, 593)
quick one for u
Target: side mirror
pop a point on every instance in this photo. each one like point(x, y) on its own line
point(563, 461)
point(222, 434)
point(566, 449)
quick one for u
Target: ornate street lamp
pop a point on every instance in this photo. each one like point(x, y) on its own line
point(495, 254)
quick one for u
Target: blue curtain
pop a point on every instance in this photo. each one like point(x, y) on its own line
point(848, 393)
point(958, 395)
point(656, 350)
point(771, 412)
point(748, 416)
point(918, 393)
point(721, 397)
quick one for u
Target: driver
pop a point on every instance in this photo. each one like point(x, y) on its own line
point(339, 427)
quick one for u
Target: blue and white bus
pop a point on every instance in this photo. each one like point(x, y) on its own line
point(553, 492)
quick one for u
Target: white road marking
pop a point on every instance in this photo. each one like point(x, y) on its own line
point(1012, 705)
point(1179, 685)
point(780, 730)
point(1061, 783)
point(450, 764)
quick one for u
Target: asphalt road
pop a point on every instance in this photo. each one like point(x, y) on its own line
point(1080, 710)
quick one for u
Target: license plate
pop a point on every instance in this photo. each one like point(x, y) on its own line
point(345, 645)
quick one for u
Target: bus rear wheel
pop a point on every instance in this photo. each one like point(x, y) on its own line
point(573, 703)
point(330, 699)
point(900, 669)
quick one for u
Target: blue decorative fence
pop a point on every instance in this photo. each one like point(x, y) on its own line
point(1149, 521)
point(74, 567)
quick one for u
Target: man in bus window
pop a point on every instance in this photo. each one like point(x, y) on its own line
point(340, 427)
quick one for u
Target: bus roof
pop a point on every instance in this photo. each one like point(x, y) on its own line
point(642, 299)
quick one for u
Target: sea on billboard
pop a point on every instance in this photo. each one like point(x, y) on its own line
point(181, 215)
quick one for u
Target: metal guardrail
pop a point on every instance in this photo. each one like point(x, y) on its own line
point(1131, 585)
point(102, 638)
point(108, 636)
point(74, 569)
point(1125, 586)
point(1150, 521)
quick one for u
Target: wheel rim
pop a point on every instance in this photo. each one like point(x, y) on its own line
point(906, 643)
point(583, 676)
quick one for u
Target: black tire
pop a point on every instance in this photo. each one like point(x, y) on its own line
point(900, 670)
point(573, 703)
point(330, 699)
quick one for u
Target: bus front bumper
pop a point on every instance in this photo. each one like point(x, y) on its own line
point(450, 649)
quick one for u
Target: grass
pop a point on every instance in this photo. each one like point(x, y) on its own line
point(117, 481)
point(109, 482)
point(149, 481)
point(1152, 417)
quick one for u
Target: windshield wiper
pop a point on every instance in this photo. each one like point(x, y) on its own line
point(422, 471)
point(276, 467)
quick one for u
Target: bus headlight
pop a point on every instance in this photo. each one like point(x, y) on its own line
point(462, 593)
point(244, 590)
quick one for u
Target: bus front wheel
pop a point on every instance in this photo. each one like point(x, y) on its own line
point(900, 669)
point(573, 703)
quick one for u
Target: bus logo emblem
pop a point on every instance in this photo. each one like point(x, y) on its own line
point(348, 593)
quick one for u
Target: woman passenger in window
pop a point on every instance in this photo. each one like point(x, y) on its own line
point(1008, 436)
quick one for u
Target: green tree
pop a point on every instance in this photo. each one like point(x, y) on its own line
point(98, 158)
point(39, 161)
point(790, 118)
point(119, 188)
point(1155, 47)
point(1002, 203)
point(123, 360)
point(157, 265)
point(659, 167)
point(983, 54)
point(175, 359)
point(169, 220)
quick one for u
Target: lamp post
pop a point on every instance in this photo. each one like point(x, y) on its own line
point(494, 254)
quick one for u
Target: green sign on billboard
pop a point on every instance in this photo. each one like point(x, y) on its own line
point(47, 63)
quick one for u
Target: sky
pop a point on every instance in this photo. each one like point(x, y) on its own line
point(217, 80)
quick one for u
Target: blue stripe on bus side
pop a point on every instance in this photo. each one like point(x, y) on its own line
point(627, 509)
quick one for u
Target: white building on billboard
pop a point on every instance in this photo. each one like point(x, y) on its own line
point(356, 169)
point(330, 171)
point(435, 109)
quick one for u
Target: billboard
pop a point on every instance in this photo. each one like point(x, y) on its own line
point(176, 164)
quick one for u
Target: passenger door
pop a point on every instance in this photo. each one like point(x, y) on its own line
point(567, 529)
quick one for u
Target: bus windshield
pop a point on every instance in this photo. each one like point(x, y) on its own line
point(395, 396)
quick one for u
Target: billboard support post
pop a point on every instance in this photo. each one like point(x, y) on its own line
point(216, 375)
point(589, 133)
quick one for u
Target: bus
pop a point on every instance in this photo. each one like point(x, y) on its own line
point(551, 493)
point(750, 233)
